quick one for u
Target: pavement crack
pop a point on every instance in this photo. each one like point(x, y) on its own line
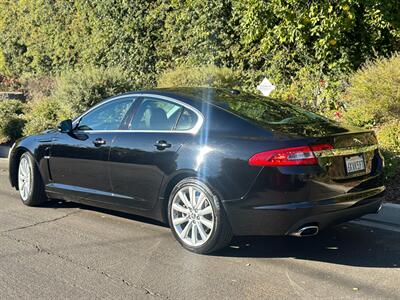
point(43, 250)
point(41, 222)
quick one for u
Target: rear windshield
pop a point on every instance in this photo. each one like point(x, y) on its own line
point(264, 110)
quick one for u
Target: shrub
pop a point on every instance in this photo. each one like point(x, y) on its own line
point(314, 90)
point(373, 97)
point(389, 139)
point(11, 121)
point(41, 115)
point(78, 90)
point(199, 76)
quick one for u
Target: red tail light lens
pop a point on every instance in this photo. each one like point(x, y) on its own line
point(296, 156)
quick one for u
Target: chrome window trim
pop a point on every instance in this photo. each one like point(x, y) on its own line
point(195, 129)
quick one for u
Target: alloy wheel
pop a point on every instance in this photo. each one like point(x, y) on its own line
point(192, 216)
point(25, 178)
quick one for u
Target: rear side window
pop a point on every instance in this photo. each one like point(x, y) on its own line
point(187, 120)
point(268, 111)
point(156, 114)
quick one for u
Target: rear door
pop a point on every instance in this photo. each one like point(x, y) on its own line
point(78, 161)
point(148, 151)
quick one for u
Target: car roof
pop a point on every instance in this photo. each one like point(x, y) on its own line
point(195, 96)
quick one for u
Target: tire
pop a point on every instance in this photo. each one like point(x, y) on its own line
point(30, 184)
point(212, 232)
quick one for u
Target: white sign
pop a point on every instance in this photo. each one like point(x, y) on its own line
point(266, 87)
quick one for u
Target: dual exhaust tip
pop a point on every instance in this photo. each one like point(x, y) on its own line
point(306, 231)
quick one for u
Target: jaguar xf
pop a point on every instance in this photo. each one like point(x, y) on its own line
point(211, 163)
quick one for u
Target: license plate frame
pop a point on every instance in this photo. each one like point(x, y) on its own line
point(354, 164)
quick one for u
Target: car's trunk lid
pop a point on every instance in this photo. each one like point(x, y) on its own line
point(352, 154)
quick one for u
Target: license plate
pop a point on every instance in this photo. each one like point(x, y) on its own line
point(354, 163)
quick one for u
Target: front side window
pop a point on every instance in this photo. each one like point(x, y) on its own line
point(108, 116)
point(156, 114)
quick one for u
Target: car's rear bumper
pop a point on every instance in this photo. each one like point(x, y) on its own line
point(285, 219)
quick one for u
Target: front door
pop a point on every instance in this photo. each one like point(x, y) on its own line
point(78, 161)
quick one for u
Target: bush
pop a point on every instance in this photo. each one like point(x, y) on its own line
point(314, 90)
point(41, 115)
point(373, 97)
point(199, 76)
point(373, 101)
point(78, 90)
point(11, 121)
point(389, 139)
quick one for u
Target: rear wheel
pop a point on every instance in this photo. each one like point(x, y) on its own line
point(30, 184)
point(197, 218)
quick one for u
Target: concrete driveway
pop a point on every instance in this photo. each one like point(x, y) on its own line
point(66, 250)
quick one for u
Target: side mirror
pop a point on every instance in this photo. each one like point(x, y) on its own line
point(65, 126)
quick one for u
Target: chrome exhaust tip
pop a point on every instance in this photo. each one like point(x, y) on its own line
point(306, 231)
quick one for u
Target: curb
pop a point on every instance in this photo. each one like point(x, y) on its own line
point(4, 151)
point(388, 218)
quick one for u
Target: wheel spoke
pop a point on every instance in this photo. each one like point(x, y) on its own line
point(192, 196)
point(206, 211)
point(179, 221)
point(185, 231)
point(201, 200)
point(180, 208)
point(201, 231)
point(184, 199)
point(194, 233)
point(206, 222)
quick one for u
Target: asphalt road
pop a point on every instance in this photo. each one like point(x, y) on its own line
point(66, 250)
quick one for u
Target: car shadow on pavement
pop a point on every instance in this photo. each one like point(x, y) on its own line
point(57, 204)
point(347, 244)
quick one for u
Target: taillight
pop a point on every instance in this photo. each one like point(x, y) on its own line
point(295, 156)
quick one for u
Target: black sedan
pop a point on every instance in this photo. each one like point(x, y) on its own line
point(212, 163)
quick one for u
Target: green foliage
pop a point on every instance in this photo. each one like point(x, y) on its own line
point(275, 38)
point(78, 90)
point(389, 139)
point(199, 76)
point(11, 121)
point(281, 37)
point(373, 101)
point(373, 97)
point(42, 114)
point(313, 90)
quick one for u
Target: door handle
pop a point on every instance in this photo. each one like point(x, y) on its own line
point(99, 142)
point(161, 145)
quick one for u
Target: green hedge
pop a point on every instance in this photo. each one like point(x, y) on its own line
point(11, 120)
point(373, 101)
point(275, 38)
point(78, 90)
point(200, 76)
point(42, 114)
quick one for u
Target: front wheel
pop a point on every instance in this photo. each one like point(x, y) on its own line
point(30, 184)
point(197, 218)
